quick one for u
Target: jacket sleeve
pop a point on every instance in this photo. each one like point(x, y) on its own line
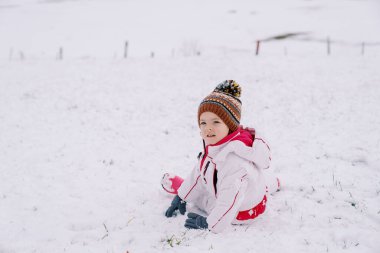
point(232, 185)
point(190, 188)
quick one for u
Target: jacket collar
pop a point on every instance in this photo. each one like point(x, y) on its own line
point(234, 142)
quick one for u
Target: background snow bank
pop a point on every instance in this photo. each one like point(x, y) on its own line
point(99, 28)
point(84, 143)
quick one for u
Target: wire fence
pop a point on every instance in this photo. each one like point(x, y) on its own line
point(285, 44)
point(327, 42)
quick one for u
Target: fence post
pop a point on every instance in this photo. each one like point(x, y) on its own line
point(363, 46)
point(257, 47)
point(60, 53)
point(328, 45)
point(10, 54)
point(126, 50)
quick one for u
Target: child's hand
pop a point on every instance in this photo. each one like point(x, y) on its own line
point(196, 221)
point(177, 204)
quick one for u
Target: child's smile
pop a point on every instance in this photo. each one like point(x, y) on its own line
point(213, 129)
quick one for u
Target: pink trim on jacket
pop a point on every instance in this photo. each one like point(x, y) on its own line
point(233, 203)
point(270, 158)
point(196, 182)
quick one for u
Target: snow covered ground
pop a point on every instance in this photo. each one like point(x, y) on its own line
point(84, 141)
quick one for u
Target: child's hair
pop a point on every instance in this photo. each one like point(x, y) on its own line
point(224, 101)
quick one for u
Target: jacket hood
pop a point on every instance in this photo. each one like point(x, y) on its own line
point(244, 145)
point(239, 142)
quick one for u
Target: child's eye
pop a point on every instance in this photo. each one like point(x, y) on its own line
point(216, 121)
point(203, 123)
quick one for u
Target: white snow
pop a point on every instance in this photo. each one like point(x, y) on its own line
point(85, 140)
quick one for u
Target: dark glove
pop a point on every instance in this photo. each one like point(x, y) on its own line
point(177, 204)
point(196, 221)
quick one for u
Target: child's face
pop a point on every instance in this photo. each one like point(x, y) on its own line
point(213, 129)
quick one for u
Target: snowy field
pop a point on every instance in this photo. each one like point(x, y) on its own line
point(85, 140)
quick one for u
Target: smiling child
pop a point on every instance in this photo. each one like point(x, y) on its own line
point(228, 183)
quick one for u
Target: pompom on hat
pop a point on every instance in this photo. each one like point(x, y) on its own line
point(224, 101)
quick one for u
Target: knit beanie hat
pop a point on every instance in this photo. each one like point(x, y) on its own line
point(224, 101)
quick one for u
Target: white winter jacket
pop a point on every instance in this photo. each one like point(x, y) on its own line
point(228, 180)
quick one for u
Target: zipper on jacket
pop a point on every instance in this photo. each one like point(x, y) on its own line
point(203, 159)
point(204, 171)
point(215, 180)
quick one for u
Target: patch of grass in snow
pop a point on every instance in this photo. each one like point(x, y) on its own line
point(174, 240)
point(185, 238)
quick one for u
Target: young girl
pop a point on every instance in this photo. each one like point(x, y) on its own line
point(228, 182)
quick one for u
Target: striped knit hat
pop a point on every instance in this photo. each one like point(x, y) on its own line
point(224, 102)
